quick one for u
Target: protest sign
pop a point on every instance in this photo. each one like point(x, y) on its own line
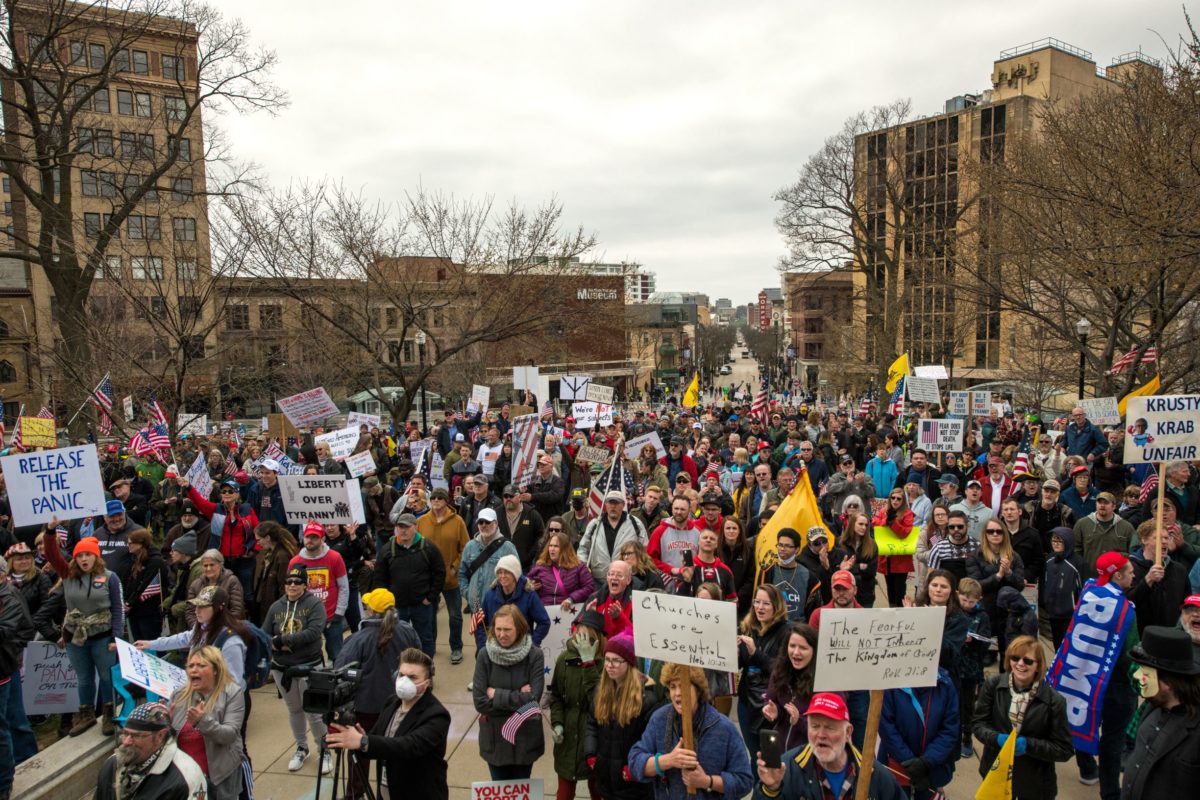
point(419, 451)
point(193, 424)
point(935, 371)
point(354, 493)
point(593, 455)
point(878, 648)
point(633, 447)
point(149, 671)
point(684, 630)
point(127, 406)
point(38, 432)
point(573, 387)
point(519, 789)
point(1162, 428)
point(286, 465)
point(525, 378)
point(941, 435)
point(48, 682)
point(1101, 410)
point(584, 414)
point(604, 415)
point(63, 483)
point(923, 390)
point(197, 475)
point(308, 407)
point(960, 404)
point(315, 497)
point(481, 395)
point(263, 424)
point(341, 442)
point(360, 464)
point(599, 394)
point(355, 419)
point(981, 404)
point(437, 472)
point(556, 640)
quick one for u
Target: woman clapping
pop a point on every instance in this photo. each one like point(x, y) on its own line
point(206, 715)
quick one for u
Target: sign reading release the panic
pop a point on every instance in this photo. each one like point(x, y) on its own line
point(1164, 428)
point(63, 483)
point(316, 497)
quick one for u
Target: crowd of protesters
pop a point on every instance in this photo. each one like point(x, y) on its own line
point(1005, 536)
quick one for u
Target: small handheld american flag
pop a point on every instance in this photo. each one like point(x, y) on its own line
point(896, 406)
point(519, 718)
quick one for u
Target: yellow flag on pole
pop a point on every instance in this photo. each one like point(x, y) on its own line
point(997, 784)
point(896, 371)
point(798, 511)
point(1149, 388)
point(691, 398)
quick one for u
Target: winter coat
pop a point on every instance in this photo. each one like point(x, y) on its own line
point(756, 669)
point(233, 589)
point(415, 756)
point(1158, 604)
point(16, 628)
point(174, 776)
point(803, 780)
point(571, 697)
point(547, 495)
point(556, 584)
point(1092, 540)
point(883, 474)
point(353, 552)
point(1027, 543)
point(34, 591)
point(611, 743)
point(412, 574)
point(476, 585)
point(718, 746)
point(222, 731)
point(270, 570)
point(986, 572)
point(970, 661)
point(1085, 441)
point(1045, 730)
point(1163, 762)
point(1081, 505)
point(494, 711)
point(593, 547)
point(932, 734)
point(902, 526)
point(450, 536)
point(1020, 619)
point(298, 626)
point(525, 534)
point(377, 671)
point(742, 566)
point(203, 536)
point(1062, 581)
point(527, 602)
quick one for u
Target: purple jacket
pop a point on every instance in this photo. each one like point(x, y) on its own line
point(575, 583)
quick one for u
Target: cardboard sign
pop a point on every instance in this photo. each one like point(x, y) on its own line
point(923, 390)
point(360, 464)
point(599, 394)
point(354, 493)
point(308, 407)
point(481, 396)
point(1162, 428)
point(573, 387)
point(341, 442)
point(684, 630)
point(633, 447)
point(585, 415)
point(48, 681)
point(960, 404)
point(525, 378)
point(63, 483)
point(149, 671)
point(127, 406)
point(941, 435)
point(38, 432)
point(437, 472)
point(197, 475)
point(356, 419)
point(1101, 410)
point(878, 648)
point(193, 424)
point(981, 404)
point(935, 371)
point(523, 789)
point(593, 455)
point(315, 497)
point(556, 640)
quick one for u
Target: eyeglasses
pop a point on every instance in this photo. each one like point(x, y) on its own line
point(509, 496)
point(956, 527)
point(555, 529)
point(1026, 660)
point(996, 531)
point(293, 582)
point(486, 523)
point(613, 662)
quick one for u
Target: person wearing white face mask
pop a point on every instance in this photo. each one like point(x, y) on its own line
point(409, 739)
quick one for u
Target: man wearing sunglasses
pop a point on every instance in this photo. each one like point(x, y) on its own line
point(952, 553)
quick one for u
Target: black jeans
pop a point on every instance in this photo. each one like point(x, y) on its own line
point(966, 707)
point(1118, 708)
point(897, 583)
point(1058, 630)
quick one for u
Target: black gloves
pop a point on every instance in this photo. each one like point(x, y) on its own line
point(918, 774)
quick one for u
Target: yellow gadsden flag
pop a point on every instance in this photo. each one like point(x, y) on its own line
point(1150, 387)
point(896, 371)
point(691, 398)
point(997, 784)
point(799, 511)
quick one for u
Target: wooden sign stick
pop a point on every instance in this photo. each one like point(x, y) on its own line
point(685, 694)
point(1158, 517)
point(863, 785)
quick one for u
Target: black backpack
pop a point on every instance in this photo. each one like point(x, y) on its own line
point(257, 670)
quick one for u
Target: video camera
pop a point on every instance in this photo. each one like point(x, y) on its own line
point(330, 693)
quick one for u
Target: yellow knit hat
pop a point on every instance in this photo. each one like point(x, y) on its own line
point(379, 600)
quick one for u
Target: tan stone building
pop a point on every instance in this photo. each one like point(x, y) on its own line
point(826, 312)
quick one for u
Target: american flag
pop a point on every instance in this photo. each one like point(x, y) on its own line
point(105, 423)
point(547, 410)
point(1021, 463)
point(1126, 361)
point(157, 415)
point(153, 590)
point(525, 441)
point(149, 439)
point(519, 718)
point(758, 407)
point(1149, 485)
point(896, 405)
point(864, 408)
point(102, 395)
point(231, 466)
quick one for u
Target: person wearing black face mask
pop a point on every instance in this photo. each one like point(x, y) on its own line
point(575, 521)
point(409, 739)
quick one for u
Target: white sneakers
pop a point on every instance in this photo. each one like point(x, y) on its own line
point(326, 763)
point(298, 759)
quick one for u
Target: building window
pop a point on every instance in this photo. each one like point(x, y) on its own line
point(193, 347)
point(144, 227)
point(392, 317)
point(110, 269)
point(408, 351)
point(78, 52)
point(190, 309)
point(137, 145)
point(91, 225)
point(812, 350)
point(7, 373)
point(185, 148)
point(181, 190)
point(270, 317)
point(237, 318)
point(146, 268)
point(133, 182)
point(125, 102)
point(96, 56)
point(812, 302)
point(121, 60)
point(187, 269)
point(89, 186)
point(814, 325)
point(141, 62)
point(108, 184)
point(142, 104)
point(7, 186)
point(185, 229)
point(153, 307)
point(174, 108)
point(172, 67)
point(276, 356)
point(102, 142)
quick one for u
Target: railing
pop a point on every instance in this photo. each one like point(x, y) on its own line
point(1057, 44)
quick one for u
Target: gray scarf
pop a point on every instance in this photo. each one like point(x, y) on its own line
point(508, 656)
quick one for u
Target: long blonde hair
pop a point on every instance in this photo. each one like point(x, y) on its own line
point(750, 624)
point(619, 702)
point(1006, 548)
point(567, 559)
point(221, 678)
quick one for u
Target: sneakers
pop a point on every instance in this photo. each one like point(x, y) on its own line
point(297, 760)
point(1089, 780)
point(966, 751)
point(471, 686)
point(326, 763)
point(456, 656)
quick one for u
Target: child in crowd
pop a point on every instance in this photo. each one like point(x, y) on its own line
point(970, 665)
point(1059, 589)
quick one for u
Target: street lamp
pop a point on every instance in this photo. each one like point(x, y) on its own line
point(1082, 328)
point(420, 340)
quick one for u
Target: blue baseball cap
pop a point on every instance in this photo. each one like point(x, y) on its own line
point(114, 507)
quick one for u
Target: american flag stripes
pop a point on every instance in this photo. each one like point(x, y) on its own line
point(525, 442)
point(1149, 485)
point(864, 408)
point(896, 406)
point(758, 407)
point(519, 718)
point(231, 467)
point(153, 590)
point(1021, 463)
point(1126, 361)
point(547, 410)
point(158, 416)
point(105, 423)
point(150, 439)
point(102, 395)
point(18, 442)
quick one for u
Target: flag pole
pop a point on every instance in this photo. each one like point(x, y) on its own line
point(85, 402)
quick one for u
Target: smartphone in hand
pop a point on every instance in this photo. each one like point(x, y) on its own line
point(771, 748)
point(688, 559)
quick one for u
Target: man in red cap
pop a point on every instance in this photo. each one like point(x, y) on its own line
point(843, 585)
point(828, 765)
point(327, 581)
point(1189, 620)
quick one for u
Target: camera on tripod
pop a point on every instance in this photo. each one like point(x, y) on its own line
point(330, 693)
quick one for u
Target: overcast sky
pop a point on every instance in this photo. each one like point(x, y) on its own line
point(664, 127)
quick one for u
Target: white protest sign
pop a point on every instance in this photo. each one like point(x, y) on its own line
point(1101, 410)
point(520, 789)
point(981, 404)
point(354, 493)
point(573, 387)
point(263, 424)
point(48, 682)
point(63, 483)
point(878, 648)
point(419, 451)
point(633, 447)
point(437, 472)
point(935, 371)
point(593, 455)
point(193, 424)
point(604, 415)
point(197, 475)
point(481, 396)
point(1164, 428)
point(127, 406)
point(355, 419)
point(923, 390)
point(584, 414)
point(941, 435)
point(315, 497)
point(149, 671)
point(308, 407)
point(684, 630)
point(341, 442)
point(556, 640)
point(360, 464)
point(599, 394)
point(525, 378)
point(960, 404)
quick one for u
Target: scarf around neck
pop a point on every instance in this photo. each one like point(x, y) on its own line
point(508, 656)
